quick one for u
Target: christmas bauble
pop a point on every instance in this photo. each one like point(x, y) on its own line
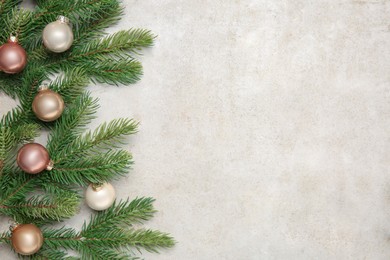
point(13, 58)
point(33, 158)
point(58, 36)
point(26, 239)
point(47, 105)
point(100, 197)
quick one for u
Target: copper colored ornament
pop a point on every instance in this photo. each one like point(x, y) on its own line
point(13, 58)
point(34, 158)
point(48, 105)
point(26, 239)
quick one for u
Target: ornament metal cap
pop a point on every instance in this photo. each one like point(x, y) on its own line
point(63, 19)
point(50, 165)
point(13, 39)
point(13, 226)
point(97, 186)
point(43, 86)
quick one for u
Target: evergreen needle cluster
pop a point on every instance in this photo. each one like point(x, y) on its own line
point(80, 157)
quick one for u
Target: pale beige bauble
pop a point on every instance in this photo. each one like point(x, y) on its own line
point(58, 35)
point(26, 239)
point(48, 105)
point(100, 197)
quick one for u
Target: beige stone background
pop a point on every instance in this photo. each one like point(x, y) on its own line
point(265, 127)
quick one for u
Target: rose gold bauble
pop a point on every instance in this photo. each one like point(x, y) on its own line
point(13, 58)
point(48, 105)
point(26, 239)
point(33, 158)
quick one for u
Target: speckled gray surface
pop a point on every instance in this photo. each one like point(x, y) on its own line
point(265, 127)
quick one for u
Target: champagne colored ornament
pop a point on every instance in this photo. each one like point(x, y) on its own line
point(100, 196)
point(47, 104)
point(58, 35)
point(26, 239)
point(13, 58)
point(34, 158)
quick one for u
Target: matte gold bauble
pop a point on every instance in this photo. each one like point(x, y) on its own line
point(100, 196)
point(33, 158)
point(58, 35)
point(26, 239)
point(48, 105)
point(13, 58)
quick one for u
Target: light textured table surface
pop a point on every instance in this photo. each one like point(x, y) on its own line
point(265, 127)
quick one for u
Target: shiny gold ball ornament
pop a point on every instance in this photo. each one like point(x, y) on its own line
point(34, 158)
point(100, 196)
point(13, 58)
point(58, 35)
point(47, 104)
point(26, 239)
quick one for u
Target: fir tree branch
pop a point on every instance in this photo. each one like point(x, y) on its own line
point(103, 69)
point(118, 45)
point(149, 240)
point(13, 117)
point(58, 189)
point(72, 122)
point(55, 205)
point(32, 78)
point(9, 84)
point(99, 58)
point(7, 141)
point(70, 84)
point(29, 88)
point(48, 253)
point(108, 253)
point(25, 132)
point(94, 21)
point(120, 214)
point(111, 71)
point(98, 241)
point(94, 169)
point(42, 208)
point(106, 136)
point(7, 9)
point(17, 186)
